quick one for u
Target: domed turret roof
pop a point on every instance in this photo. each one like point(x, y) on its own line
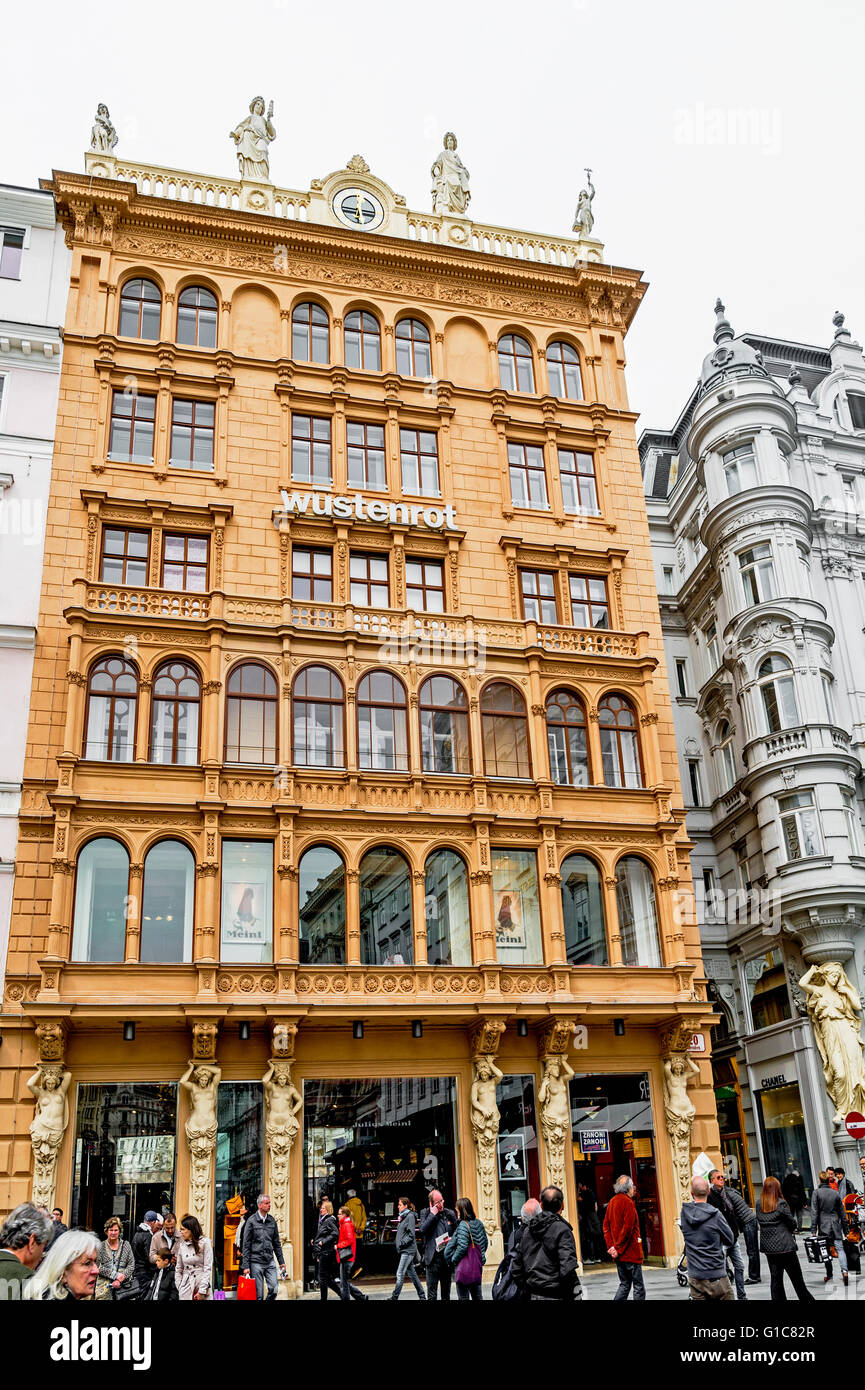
point(731, 356)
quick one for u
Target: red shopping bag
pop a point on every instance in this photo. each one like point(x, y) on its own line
point(245, 1288)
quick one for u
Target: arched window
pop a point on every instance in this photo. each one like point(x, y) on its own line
point(385, 909)
point(446, 909)
point(174, 717)
point(196, 317)
point(413, 357)
point(362, 341)
point(310, 334)
point(382, 742)
point(638, 912)
point(566, 735)
point(728, 755)
point(516, 907)
point(778, 689)
point(620, 747)
point(583, 912)
point(516, 371)
point(444, 726)
point(322, 907)
point(140, 310)
point(318, 718)
point(167, 903)
point(101, 888)
point(251, 716)
point(112, 702)
point(505, 731)
point(563, 369)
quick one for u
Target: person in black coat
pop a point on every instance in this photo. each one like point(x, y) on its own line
point(777, 1226)
point(828, 1219)
point(437, 1226)
point(141, 1242)
point(324, 1250)
point(260, 1246)
point(162, 1286)
point(795, 1195)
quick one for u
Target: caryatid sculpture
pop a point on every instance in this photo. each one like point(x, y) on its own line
point(283, 1104)
point(834, 1008)
point(252, 138)
point(450, 180)
point(484, 1114)
point(49, 1086)
point(679, 1112)
point(103, 136)
point(584, 218)
point(554, 1104)
point(200, 1081)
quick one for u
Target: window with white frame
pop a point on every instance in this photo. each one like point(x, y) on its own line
point(800, 825)
point(711, 897)
point(694, 781)
point(682, 677)
point(851, 817)
point(11, 252)
point(828, 684)
point(728, 755)
point(778, 691)
point(743, 881)
point(667, 573)
point(713, 653)
point(740, 469)
point(758, 573)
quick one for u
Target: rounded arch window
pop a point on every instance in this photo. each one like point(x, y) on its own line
point(251, 708)
point(638, 912)
point(446, 909)
point(196, 317)
point(318, 718)
point(516, 369)
point(413, 354)
point(382, 739)
point(563, 369)
point(778, 692)
point(505, 731)
point(620, 746)
point(174, 718)
point(583, 912)
point(167, 903)
point(444, 726)
point(566, 736)
point(321, 907)
point(310, 334)
point(140, 310)
point(362, 341)
point(386, 933)
point(112, 704)
point(101, 902)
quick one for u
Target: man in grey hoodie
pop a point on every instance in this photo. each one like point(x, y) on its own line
point(707, 1236)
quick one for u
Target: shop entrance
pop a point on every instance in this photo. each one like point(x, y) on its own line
point(124, 1154)
point(613, 1134)
point(380, 1140)
point(782, 1127)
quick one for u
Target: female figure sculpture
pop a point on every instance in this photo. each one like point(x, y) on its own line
point(450, 186)
point(834, 1007)
point(252, 138)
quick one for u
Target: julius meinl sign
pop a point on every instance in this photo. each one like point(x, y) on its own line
point(360, 508)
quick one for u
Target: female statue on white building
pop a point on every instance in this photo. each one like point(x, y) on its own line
point(834, 1007)
point(252, 138)
point(450, 186)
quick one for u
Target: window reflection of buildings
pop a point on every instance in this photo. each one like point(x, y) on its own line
point(322, 921)
point(387, 910)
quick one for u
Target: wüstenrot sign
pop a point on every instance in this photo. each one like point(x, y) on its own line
point(360, 508)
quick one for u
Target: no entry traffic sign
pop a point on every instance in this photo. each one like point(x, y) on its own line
point(855, 1125)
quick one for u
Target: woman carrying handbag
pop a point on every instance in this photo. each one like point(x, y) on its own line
point(117, 1263)
point(466, 1252)
point(406, 1249)
point(777, 1226)
point(194, 1269)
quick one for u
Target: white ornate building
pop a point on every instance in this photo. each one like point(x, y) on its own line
point(34, 277)
point(755, 499)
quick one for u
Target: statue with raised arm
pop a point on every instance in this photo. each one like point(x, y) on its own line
point(49, 1086)
point(679, 1112)
point(554, 1104)
point(200, 1081)
point(283, 1104)
point(103, 136)
point(485, 1119)
point(252, 138)
point(834, 1008)
point(450, 180)
point(584, 218)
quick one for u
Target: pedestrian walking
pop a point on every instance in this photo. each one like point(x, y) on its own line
point(777, 1226)
point(545, 1264)
point(69, 1270)
point(60, 1228)
point(262, 1250)
point(116, 1259)
point(324, 1250)
point(839, 1180)
point(622, 1239)
point(406, 1249)
point(591, 1231)
point(505, 1286)
point(24, 1237)
point(167, 1239)
point(194, 1269)
point(466, 1252)
point(738, 1216)
point(437, 1225)
point(795, 1195)
point(707, 1238)
point(141, 1243)
point(346, 1254)
point(828, 1219)
point(162, 1287)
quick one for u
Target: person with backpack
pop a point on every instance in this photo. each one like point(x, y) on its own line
point(466, 1253)
point(545, 1264)
point(406, 1249)
point(437, 1226)
point(505, 1287)
point(623, 1241)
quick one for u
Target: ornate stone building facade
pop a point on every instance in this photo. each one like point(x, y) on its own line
point(357, 863)
point(755, 508)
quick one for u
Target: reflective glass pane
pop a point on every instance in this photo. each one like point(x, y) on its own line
point(322, 907)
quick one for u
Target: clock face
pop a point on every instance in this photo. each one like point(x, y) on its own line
point(354, 207)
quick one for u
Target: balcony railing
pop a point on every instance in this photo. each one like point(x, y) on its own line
point(149, 603)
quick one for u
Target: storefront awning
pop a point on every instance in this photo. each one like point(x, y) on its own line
point(395, 1175)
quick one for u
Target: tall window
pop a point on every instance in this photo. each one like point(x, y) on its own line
point(366, 466)
point(140, 306)
point(319, 722)
point(196, 317)
point(579, 484)
point(620, 747)
point(321, 905)
point(638, 912)
point(425, 585)
point(310, 450)
point(382, 738)
point(386, 934)
point(758, 574)
point(528, 476)
point(516, 907)
point(369, 580)
point(419, 462)
point(583, 912)
point(516, 371)
point(132, 423)
point(851, 820)
point(713, 656)
point(766, 983)
point(728, 755)
point(563, 369)
point(682, 678)
point(444, 726)
point(413, 356)
point(125, 555)
point(184, 563)
point(310, 334)
point(505, 731)
point(247, 901)
point(566, 736)
point(539, 596)
point(174, 716)
point(590, 606)
point(311, 575)
point(778, 692)
point(167, 903)
point(251, 709)
point(800, 825)
point(193, 425)
point(446, 909)
point(11, 252)
point(112, 702)
point(828, 683)
point(694, 782)
point(362, 341)
point(740, 469)
point(101, 902)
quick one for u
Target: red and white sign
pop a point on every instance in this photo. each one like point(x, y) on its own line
point(698, 1043)
point(855, 1125)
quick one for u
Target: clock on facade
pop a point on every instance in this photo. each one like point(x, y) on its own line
point(355, 207)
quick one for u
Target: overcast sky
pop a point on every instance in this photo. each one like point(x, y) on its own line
point(725, 139)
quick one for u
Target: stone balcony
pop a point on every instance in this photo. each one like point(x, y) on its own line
point(816, 740)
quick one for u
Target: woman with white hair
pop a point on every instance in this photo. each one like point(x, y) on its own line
point(69, 1270)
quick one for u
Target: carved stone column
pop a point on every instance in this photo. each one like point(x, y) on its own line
point(554, 1102)
point(485, 1129)
point(201, 1083)
point(283, 1104)
point(49, 1085)
point(679, 1109)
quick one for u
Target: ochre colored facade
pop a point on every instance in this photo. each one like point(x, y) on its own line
point(259, 268)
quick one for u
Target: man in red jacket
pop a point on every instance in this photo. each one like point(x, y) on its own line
point(622, 1239)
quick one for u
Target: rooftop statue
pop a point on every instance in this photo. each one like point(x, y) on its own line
point(450, 180)
point(103, 136)
point(584, 218)
point(252, 138)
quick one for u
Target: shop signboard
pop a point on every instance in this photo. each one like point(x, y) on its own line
point(643, 1148)
point(697, 1043)
point(512, 1158)
point(594, 1141)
